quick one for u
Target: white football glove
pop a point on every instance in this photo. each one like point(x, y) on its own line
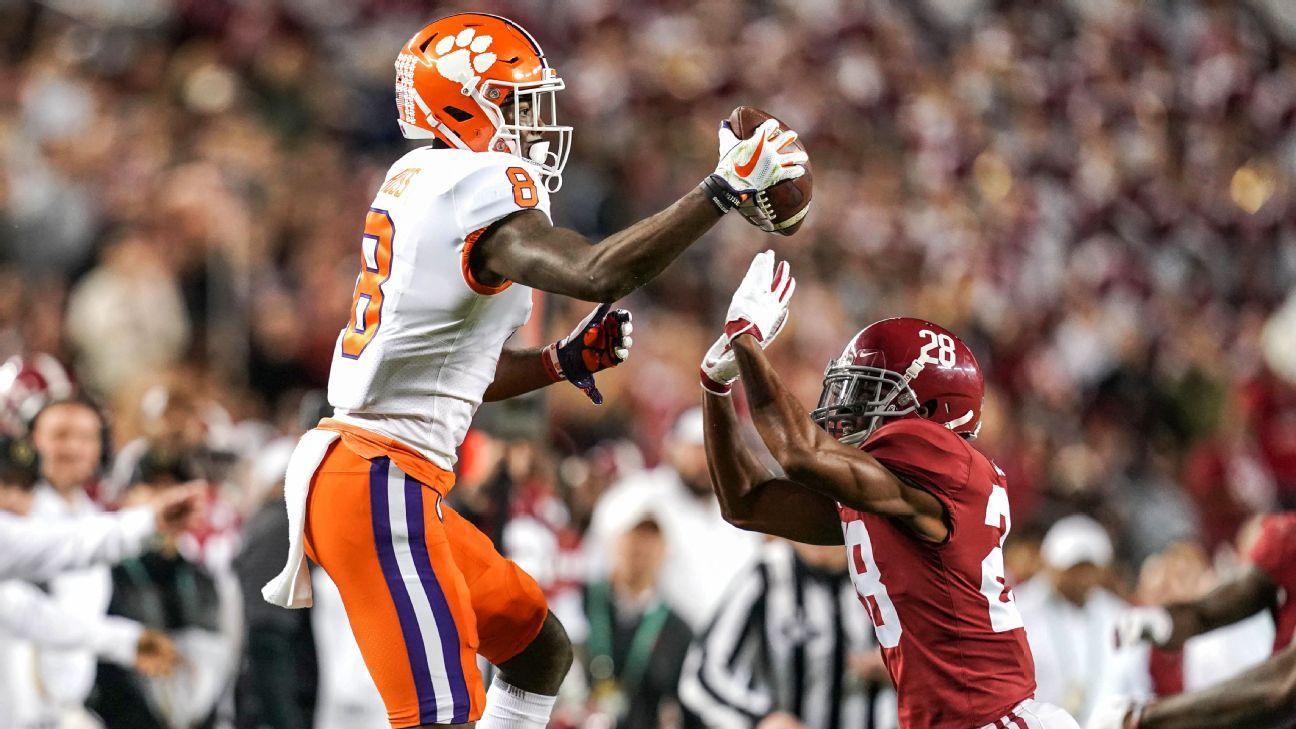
point(749, 165)
point(1113, 712)
point(760, 306)
point(1139, 624)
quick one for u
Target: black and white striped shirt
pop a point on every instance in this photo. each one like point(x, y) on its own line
point(781, 641)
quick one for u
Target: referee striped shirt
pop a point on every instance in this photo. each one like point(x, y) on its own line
point(781, 641)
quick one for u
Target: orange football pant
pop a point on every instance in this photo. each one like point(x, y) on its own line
point(425, 591)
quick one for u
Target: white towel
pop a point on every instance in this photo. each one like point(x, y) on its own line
point(292, 588)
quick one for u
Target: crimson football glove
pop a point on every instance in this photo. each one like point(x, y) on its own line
point(602, 340)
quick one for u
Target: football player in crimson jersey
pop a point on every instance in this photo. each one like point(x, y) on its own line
point(455, 240)
point(885, 467)
point(1264, 696)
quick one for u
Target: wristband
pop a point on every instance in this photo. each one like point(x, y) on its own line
point(713, 387)
point(720, 195)
point(549, 358)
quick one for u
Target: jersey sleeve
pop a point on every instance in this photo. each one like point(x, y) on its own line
point(502, 186)
point(924, 455)
point(1274, 551)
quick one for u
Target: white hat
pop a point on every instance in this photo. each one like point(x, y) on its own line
point(633, 515)
point(689, 428)
point(1074, 540)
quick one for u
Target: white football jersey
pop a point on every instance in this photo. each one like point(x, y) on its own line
point(424, 337)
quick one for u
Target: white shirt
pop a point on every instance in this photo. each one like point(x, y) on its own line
point(67, 675)
point(38, 549)
point(30, 617)
point(1076, 659)
point(423, 340)
point(703, 552)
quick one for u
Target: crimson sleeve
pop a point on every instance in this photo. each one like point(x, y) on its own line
point(924, 455)
point(1274, 552)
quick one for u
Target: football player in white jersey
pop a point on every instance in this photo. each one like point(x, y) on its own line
point(455, 240)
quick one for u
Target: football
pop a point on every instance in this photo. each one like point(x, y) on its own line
point(788, 202)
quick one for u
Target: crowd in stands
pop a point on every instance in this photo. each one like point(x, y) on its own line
point(1096, 195)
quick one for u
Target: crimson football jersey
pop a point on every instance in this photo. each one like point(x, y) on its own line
point(951, 635)
point(1275, 553)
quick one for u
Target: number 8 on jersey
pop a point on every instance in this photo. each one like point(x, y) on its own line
point(375, 269)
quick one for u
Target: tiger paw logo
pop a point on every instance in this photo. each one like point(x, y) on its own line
point(462, 57)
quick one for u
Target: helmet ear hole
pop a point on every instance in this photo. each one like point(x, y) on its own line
point(927, 409)
point(456, 113)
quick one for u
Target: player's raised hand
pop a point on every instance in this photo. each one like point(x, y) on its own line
point(760, 306)
point(764, 159)
point(1152, 624)
point(600, 341)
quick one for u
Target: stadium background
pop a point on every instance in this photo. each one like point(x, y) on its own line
point(1095, 195)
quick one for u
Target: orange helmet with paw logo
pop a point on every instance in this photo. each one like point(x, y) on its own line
point(455, 78)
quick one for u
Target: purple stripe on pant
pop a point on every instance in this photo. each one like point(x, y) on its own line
point(378, 472)
point(436, 598)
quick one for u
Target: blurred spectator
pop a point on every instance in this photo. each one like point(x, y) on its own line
point(703, 552)
point(126, 318)
point(165, 591)
point(790, 648)
point(68, 437)
point(278, 681)
point(1070, 617)
point(635, 648)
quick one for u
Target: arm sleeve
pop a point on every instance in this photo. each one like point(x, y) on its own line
point(28, 613)
point(37, 549)
point(926, 456)
point(1274, 552)
point(503, 186)
point(716, 681)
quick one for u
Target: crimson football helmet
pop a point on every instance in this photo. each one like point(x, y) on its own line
point(453, 77)
point(900, 368)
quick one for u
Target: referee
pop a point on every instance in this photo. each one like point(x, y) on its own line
point(790, 647)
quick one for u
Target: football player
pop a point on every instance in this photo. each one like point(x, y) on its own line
point(1264, 696)
point(453, 243)
point(884, 466)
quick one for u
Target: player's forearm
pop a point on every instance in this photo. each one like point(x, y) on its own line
point(780, 419)
point(1235, 600)
point(1261, 698)
point(626, 260)
point(519, 371)
point(734, 470)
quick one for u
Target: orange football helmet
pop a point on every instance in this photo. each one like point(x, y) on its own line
point(453, 76)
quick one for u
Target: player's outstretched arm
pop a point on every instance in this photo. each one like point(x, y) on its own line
point(750, 496)
point(528, 249)
point(1263, 697)
point(1169, 626)
point(807, 454)
point(600, 341)
point(810, 457)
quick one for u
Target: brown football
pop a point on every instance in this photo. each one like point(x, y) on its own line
point(788, 202)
